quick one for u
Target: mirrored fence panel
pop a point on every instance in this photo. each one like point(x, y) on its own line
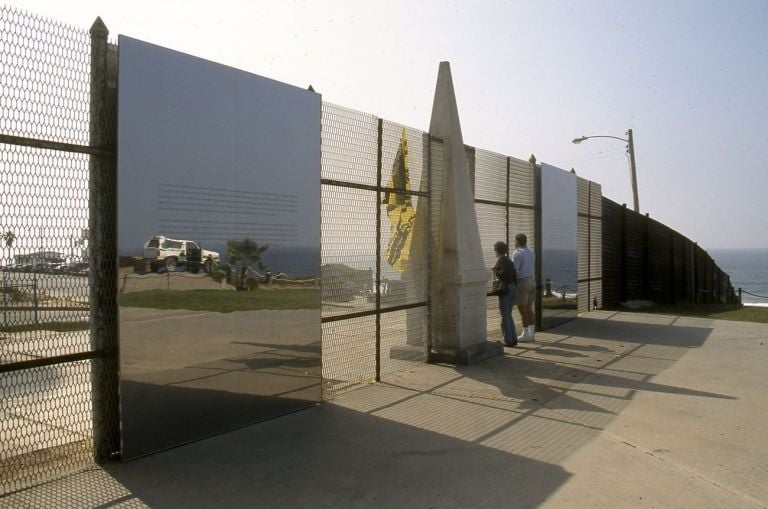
point(219, 248)
point(559, 251)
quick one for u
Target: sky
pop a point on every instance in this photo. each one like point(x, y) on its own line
point(689, 77)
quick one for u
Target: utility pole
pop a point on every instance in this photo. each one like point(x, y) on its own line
point(633, 169)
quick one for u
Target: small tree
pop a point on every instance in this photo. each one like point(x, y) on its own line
point(8, 238)
point(246, 252)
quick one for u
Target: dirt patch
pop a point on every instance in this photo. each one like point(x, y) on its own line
point(129, 283)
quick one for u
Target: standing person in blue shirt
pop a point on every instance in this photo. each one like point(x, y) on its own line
point(525, 264)
point(505, 271)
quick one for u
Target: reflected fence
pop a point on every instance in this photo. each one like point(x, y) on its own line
point(381, 184)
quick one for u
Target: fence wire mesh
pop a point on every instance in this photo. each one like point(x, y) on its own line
point(46, 366)
point(45, 78)
point(375, 219)
point(504, 199)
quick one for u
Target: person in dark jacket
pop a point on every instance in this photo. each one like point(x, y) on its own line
point(504, 270)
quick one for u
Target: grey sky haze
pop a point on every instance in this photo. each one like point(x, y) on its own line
point(689, 77)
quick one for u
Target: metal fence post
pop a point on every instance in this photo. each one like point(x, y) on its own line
point(694, 277)
point(506, 203)
point(589, 249)
point(624, 268)
point(103, 252)
point(539, 241)
point(35, 300)
point(5, 296)
point(647, 254)
point(672, 278)
point(378, 247)
point(430, 244)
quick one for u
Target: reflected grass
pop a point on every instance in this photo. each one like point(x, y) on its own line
point(555, 302)
point(224, 301)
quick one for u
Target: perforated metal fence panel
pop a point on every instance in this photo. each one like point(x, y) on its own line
point(497, 218)
point(375, 247)
point(590, 244)
point(521, 209)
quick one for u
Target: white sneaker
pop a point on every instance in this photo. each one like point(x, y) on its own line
point(526, 337)
point(532, 332)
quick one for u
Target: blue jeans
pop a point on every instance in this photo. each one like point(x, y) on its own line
point(506, 302)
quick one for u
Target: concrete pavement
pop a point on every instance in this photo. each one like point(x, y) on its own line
point(609, 410)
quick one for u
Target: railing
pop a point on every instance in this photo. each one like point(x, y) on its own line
point(742, 291)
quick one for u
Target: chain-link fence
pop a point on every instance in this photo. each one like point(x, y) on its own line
point(47, 354)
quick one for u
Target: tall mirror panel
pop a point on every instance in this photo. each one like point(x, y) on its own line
point(559, 249)
point(219, 247)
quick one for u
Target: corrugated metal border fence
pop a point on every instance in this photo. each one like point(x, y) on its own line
point(646, 260)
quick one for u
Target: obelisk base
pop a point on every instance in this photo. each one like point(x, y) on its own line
point(466, 356)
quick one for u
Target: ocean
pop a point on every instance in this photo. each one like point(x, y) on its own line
point(748, 269)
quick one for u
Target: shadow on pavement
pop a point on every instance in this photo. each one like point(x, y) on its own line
point(328, 456)
point(635, 332)
point(165, 416)
point(592, 364)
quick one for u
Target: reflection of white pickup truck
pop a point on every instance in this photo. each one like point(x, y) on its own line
point(163, 252)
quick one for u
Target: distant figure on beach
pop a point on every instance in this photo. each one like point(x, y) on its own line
point(504, 270)
point(525, 264)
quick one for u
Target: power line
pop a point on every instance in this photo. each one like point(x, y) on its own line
point(592, 157)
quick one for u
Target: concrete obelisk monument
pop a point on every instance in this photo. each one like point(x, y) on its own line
point(459, 275)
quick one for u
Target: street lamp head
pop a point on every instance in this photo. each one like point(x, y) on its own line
point(630, 150)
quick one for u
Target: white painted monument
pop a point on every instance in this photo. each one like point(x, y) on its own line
point(459, 300)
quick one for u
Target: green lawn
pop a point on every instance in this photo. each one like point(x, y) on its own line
point(223, 301)
point(713, 311)
point(559, 303)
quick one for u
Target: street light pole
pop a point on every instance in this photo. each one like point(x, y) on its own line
point(632, 168)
